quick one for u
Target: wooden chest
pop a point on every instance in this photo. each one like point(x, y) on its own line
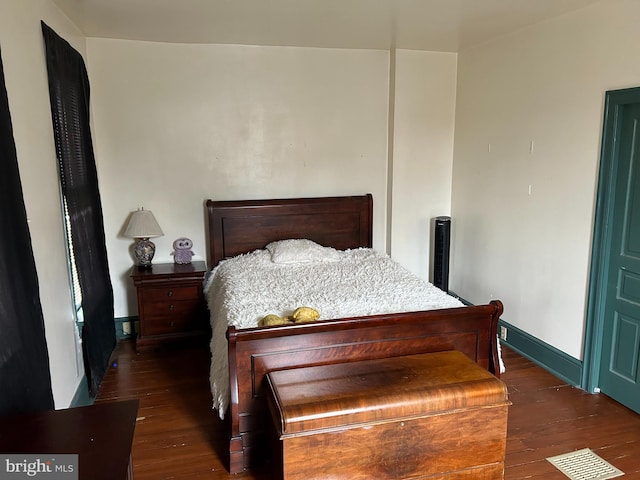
point(436, 415)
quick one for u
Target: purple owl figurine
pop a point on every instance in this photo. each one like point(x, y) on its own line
point(182, 252)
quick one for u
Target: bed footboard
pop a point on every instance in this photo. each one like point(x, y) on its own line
point(255, 352)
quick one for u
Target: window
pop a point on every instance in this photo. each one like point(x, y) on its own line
point(69, 96)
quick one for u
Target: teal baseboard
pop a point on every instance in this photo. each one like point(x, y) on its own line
point(548, 357)
point(130, 324)
point(82, 397)
point(463, 300)
point(126, 327)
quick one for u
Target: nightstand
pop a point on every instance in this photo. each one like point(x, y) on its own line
point(171, 304)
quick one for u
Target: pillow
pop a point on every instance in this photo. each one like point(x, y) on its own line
point(301, 251)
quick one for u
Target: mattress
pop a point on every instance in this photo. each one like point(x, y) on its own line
point(242, 290)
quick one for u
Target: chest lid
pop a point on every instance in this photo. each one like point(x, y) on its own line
point(377, 391)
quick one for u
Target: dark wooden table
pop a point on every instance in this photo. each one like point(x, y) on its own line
point(101, 436)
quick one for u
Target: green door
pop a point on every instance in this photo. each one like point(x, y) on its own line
point(619, 374)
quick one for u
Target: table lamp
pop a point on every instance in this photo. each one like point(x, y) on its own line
point(142, 226)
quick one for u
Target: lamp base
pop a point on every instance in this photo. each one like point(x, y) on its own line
point(144, 250)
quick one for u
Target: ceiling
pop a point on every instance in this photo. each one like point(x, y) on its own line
point(435, 25)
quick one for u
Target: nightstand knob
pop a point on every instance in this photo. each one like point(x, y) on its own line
point(172, 306)
point(172, 323)
point(170, 293)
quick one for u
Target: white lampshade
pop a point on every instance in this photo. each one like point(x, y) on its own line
point(143, 224)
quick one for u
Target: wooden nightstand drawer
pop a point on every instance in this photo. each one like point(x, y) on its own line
point(151, 295)
point(167, 325)
point(178, 308)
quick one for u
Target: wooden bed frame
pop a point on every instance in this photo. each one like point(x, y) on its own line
point(237, 227)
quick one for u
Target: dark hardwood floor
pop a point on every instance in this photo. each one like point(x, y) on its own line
point(178, 436)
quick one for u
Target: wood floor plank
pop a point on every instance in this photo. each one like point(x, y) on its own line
point(179, 436)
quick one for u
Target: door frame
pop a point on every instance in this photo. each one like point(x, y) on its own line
point(615, 100)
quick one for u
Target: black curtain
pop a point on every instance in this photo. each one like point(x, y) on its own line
point(69, 95)
point(25, 380)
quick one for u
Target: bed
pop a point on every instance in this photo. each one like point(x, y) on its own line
point(236, 228)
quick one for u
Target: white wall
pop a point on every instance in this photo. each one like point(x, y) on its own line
point(177, 124)
point(545, 85)
point(26, 81)
point(423, 125)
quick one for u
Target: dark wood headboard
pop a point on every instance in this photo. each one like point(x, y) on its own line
point(237, 227)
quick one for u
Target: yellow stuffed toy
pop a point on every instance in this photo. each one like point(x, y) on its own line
point(273, 319)
point(305, 314)
point(300, 315)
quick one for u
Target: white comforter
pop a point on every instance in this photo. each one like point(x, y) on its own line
point(242, 290)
